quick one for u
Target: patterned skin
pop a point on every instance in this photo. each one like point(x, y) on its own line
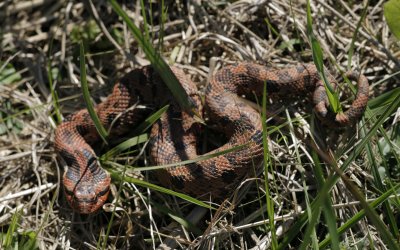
point(174, 137)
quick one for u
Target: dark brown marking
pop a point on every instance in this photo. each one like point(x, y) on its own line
point(229, 176)
point(178, 182)
point(69, 158)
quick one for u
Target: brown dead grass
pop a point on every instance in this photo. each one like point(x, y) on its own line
point(200, 36)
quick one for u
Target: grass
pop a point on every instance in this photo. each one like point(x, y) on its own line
point(320, 188)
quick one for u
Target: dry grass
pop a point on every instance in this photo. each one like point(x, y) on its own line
point(200, 36)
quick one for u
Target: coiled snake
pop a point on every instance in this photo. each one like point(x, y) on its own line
point(174, 137)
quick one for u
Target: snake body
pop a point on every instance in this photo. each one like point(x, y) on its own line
point(174, 137)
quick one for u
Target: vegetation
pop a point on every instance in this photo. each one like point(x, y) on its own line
point(318, 188)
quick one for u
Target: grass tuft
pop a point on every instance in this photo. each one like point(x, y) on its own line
point(321, 188)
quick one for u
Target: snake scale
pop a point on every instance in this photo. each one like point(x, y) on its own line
point(174, 137)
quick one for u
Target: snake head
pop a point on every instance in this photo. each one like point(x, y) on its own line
point(87, 185)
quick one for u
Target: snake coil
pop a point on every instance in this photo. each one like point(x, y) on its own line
point(174, 137)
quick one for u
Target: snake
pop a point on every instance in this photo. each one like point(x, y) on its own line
point(174, 137)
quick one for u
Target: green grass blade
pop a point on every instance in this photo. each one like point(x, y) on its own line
point(357, 217)
point(373, 217)
point(16, 239)
point(103, 238)
point(144, 16)
point(157, 62)
point(379, 183)
point(353, 40)
point(331, 181)
point(162, 20)
point(165, 190)
point(182, 221)
point(12, 229)
point(384, 99)
point(186, 162)
point(316, 208)
point(117, 176)
point(270, 203)
point(124, 146)
point(86, 96)
point(357, 150)
point(330, 218)
point(381, 228)
point(333, 96)
point(149, 121)
point(328, 211)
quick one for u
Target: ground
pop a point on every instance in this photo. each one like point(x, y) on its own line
point(353, 167)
